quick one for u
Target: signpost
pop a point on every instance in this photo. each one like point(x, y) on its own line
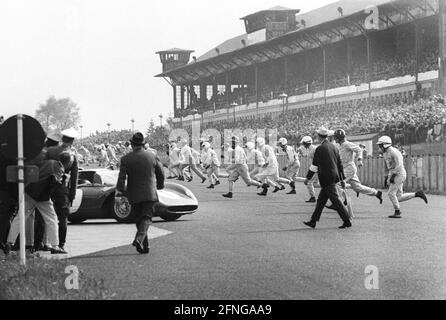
point(21, 183)
point(21, 139)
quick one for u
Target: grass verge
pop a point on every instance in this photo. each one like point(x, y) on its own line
point(44, 279)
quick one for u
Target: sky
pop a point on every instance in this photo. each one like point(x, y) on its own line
point(101, 53)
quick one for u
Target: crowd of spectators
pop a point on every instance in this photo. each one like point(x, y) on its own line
point(104, 149)
point(407, 120)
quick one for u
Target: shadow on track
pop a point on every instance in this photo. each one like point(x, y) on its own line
point(92, 256)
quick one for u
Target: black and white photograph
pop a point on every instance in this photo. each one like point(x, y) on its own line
point(223, 156)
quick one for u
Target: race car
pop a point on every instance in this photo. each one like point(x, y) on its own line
point(95, 199)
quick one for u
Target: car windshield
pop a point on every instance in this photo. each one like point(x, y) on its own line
point(108, 177)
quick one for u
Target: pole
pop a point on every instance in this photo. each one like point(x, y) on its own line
point(324, 65)
point(417, 53)
point(349, 58)
point(21, 184)
point(441, 41)
point(256, 82)
point(285, 76)
point(369, 67)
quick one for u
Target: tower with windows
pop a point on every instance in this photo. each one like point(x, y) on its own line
point(174, 58)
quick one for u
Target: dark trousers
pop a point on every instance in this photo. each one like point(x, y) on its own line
point(6, 212)
point(143, 212)
point(62, 216)
point(329, 192)
point(62, 208)
point(39, 229)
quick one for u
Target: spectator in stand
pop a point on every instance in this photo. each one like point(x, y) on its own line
point(406, 119)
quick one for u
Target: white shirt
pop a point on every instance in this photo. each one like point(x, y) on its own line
point(210, 158)
point(239, 155)
point(269, 155)
point(111, 153)
point(203, 155)
point(291, 155)
point(394, 161)
point(155, 153)
point(227, 153)
point(195, 156)
point(174, 155)
point(307, 152)
point(186, 154)
point(255, 157)
point(104, 155)
point(348, 151)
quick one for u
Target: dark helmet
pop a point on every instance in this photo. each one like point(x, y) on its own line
point(339, 134)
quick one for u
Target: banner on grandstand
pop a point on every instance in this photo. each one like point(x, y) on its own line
point(367, 140)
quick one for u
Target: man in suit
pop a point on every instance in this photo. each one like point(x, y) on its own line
point(144, 174)
point(327, 164)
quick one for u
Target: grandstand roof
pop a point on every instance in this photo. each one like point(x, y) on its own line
point(312, 18)
point(322, 17)
point(273, 9)
point(225, 47)
point(174, 50)
point(330, 12)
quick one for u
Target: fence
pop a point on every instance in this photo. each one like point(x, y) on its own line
point(427, 172)
point(413, 135)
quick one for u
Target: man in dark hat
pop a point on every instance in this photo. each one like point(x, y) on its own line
point(327, 164)
point(144, 174)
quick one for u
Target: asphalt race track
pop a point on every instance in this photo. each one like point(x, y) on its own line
point(252, 247)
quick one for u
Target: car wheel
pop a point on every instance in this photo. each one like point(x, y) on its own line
point(121, 209)
point(170, 217)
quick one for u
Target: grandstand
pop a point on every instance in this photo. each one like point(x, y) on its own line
point(340, 65)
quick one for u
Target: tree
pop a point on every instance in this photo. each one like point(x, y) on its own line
point(157, 137)
point(61, 113)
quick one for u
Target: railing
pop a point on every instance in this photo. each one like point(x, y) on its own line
point(423, 172)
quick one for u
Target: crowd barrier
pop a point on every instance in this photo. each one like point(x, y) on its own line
point(426, 172)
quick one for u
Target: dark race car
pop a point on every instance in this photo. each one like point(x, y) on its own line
point(95, 199)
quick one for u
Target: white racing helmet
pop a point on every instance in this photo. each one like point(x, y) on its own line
point(250, 145)
point(306, 139)
point(385, 141)
point(283, 141)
